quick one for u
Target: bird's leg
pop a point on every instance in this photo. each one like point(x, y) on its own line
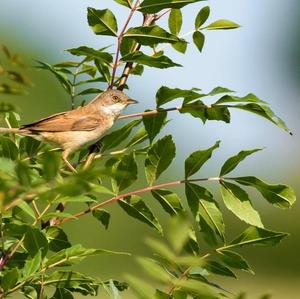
point(64, 157)
point(93, 150)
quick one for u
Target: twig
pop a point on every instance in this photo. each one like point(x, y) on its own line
point(148, 19)
point(157, 17)
point(73, 89)
point(185, 274)
point(136, 192)
point(149, 113)
point(36, 208)
point(120, 38)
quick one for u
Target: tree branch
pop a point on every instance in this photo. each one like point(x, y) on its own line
point(136, 192)
point(149, 113)
point(120, 38)
point(148, 19)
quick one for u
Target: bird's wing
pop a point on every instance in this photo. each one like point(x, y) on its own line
point(65, 121)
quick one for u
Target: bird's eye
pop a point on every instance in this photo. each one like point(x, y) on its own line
point(116, 98)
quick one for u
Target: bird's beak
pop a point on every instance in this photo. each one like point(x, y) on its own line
point(132, 101)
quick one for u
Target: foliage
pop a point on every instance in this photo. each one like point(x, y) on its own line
point(33, 182)
point(13, 78)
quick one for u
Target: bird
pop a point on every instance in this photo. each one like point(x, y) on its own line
point(75, 129)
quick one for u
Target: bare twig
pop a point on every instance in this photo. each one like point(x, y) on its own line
point(148, 20)
point(120, 38)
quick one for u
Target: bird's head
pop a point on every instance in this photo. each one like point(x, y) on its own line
point(113, 101)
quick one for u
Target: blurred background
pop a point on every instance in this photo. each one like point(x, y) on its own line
point(262, 57)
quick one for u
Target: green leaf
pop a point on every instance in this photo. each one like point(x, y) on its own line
point(128, 45)
point(169, 201)
point(157, 61)
point(179, 232)
point(103, 70)
point(249, 98)
point(102, 22)
point(94, 80)
point(200, 288)
point(30, 145)
point(180, 46)
point(89, 91)
point(137, 70)
point(30, 292)
point(217, 113)
point(222, 25)
point(151, 35)
point(140, 136)
point(265, 112)
point(23, 174)
point(161, 295)
point(199, 39)
point(7, 166)
point(62, 78)
point(196, 160)
point(75, 254)
point(206, 211)
point(218, 268)
point(197, 109)
point(257, 236)
point(202, 17)
point(8, 148)
point(178, 294)
point(125, 173)
point(141, 288)
point(92, 54)
point(58, 239)
point(61, 293)
point(9, 279)
point(25, 207)
point(154, 123)
point(126, 3)
point(238, 202)
point(234, 260)
point(219, 90)
point(113, 139)
point(67, 64)
point(81, 198)
point(103, 216)
point(137, 209)
point(279, 195)
point(51, 164)
point(75, 281)
point(166, 94)
point(35, 241)
point(154, 6)
point(234, 161)
point(32, 265)
point(159, 157)
point(175, 21)
point(154, 269)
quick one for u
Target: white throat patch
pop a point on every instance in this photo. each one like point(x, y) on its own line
point(114, 109)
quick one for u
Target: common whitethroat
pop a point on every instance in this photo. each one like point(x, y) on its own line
point(75, 129)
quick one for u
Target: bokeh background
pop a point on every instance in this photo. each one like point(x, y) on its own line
point(262, 57)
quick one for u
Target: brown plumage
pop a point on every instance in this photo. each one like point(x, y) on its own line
point(72, 130)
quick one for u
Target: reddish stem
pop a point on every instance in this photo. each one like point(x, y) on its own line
point(136, 192)
point(120, 38)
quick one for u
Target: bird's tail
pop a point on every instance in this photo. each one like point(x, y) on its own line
point(11, 130)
